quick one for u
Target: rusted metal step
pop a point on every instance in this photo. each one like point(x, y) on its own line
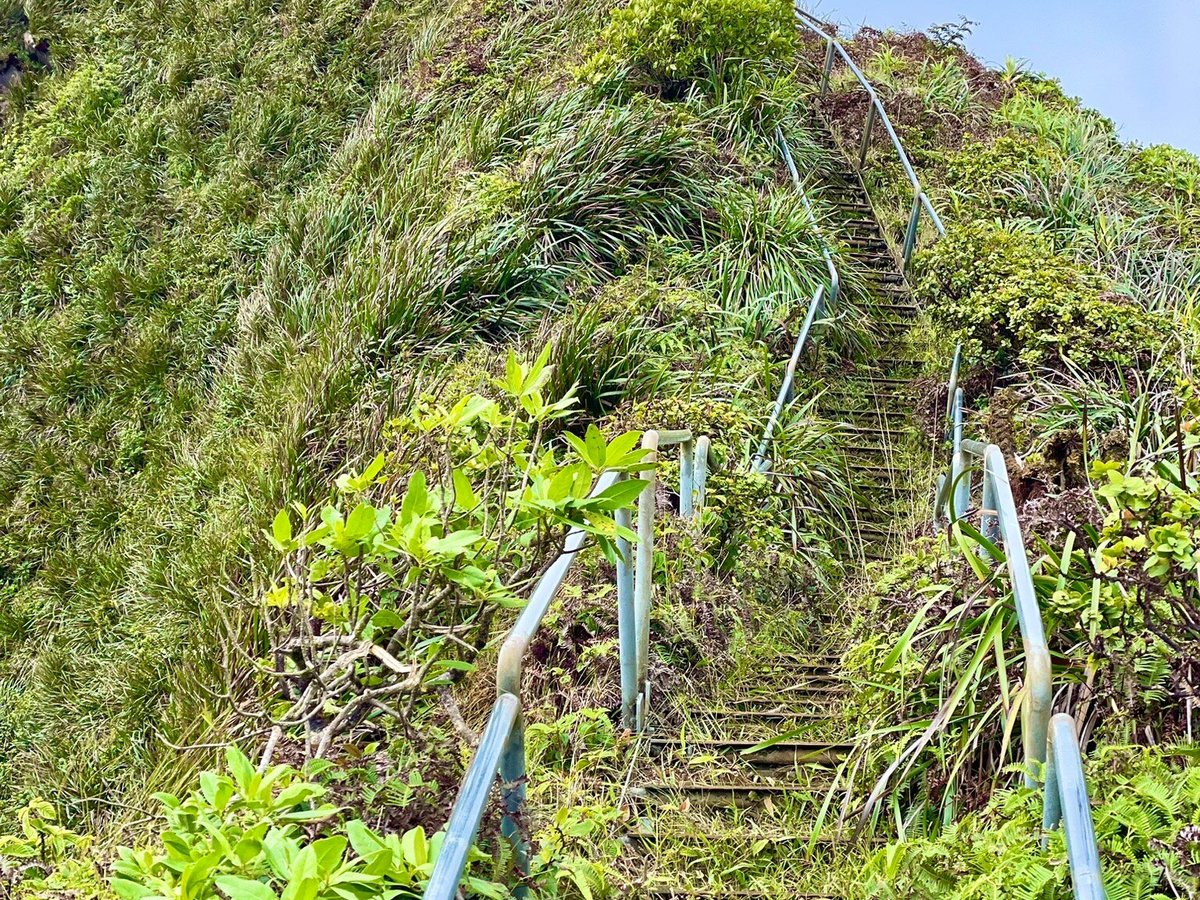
point(869, 414)
point(864, 243)
point(785, 753)
point(817, 668)
point(846, 208)
point(740, 794)
point(874, 260)
point(776, 702)
point(764, 716)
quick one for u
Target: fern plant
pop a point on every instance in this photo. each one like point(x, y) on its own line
point(1146, 810)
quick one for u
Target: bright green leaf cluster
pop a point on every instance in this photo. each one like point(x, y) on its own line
point(675, 40)
point(249, 835)
point(1016, 299)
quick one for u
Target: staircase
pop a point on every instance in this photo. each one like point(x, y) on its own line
point(717, 816)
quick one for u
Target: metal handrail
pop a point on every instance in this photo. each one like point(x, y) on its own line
point(1067, 803)
point(835, 281)
point(760, 461)
point(875, 112)
point(501, 750)
point(1048, 742)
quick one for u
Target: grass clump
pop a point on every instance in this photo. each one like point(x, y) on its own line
point(676, 40)
point(1017, 300)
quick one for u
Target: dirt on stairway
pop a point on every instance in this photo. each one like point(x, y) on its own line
point(717, 814)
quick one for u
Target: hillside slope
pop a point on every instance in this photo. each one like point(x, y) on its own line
point(301, 301)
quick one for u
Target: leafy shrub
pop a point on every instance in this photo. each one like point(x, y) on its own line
point(1016, 299)
point(46, 859)
point(252, 835)
point(675, 40)
point(1167, 171)
point(384, 583)
point(983, 171)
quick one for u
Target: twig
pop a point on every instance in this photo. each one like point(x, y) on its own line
point(469, 737)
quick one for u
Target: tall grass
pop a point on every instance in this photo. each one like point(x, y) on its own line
point(235, 241)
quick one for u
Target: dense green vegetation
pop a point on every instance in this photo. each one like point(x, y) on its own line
point(1069, 273)
point(256, 259)
point(321, 322)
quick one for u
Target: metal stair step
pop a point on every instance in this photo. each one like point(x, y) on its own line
point(731, 793)
point(785, 753)
point(751, 716)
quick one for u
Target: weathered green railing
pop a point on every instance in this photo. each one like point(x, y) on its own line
point(1048, 742)
point(816, 305)
point(501, 750)
point(875, 114)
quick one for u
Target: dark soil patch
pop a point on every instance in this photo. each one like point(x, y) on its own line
point(917, 127)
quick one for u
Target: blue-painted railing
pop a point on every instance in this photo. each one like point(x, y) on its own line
point(875, 114)
point(1047, 742)
point(816, 306)
point(501, 750)
point(1066, 803)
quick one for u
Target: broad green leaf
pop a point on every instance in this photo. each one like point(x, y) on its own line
point(514, 377)
point(365, 842)
point(415, 847)
point(416, 498)
point(244, 888)
point(454, 543)
point(361, 522)
point(281, 528)
point(618, 495)
point(329, 853)
point(464, 493)
point(240, 767)
point(578, 445)
point(131, 890)
point(387, 618)
point(596, 447)
point(280, 850)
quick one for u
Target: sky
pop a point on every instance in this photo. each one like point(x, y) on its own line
point(1136, 62)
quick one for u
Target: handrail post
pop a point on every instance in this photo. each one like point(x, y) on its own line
point(910, 234)
point(960, 490)
point(701, 471)
point(1065, 800)
point(626, 622)
point(512, 792)
point(953, 384)
point(643, 589)
point(866, 138)
point(989, 519)
point(827, 71)
point(687, 478)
